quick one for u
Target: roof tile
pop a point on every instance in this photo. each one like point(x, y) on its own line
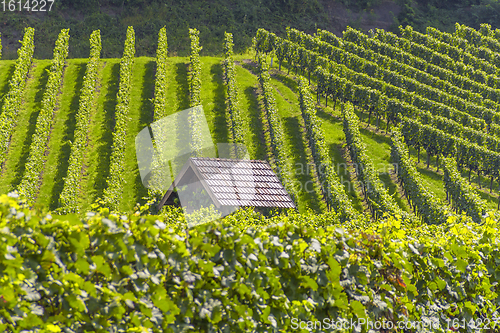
point(247, 182)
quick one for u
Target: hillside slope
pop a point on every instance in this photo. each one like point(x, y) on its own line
point(97, 160)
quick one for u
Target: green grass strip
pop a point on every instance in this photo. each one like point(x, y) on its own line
point(252, 123)
point(62, 135)
point(97, 159)
point(140, 116)
point(22, 134)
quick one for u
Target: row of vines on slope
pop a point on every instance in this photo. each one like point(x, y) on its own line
point(391, 82)
point(275, 130)
point(375, 102)
point(355, 42)
point(332, 189)
point(376, 195)
point(392, 108)
point(160, 102)
point(446, 76)
point(443, 76)
point(456, 54)
point(424, 203)
point(438, 59)
point(12, 101)
point(113, 191)
point(310, 60)
point(69, 198)
point(36, 159)
point(233, 113)
point(195, 70)
point(466, 151)
point(267, 42)
point(159, 172)
point(461, 194)
point(196, 112)
point(479, 51)
point(437, 142)
point(485, 37)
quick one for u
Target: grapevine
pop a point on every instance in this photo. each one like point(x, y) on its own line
point(333, 190)
point(275, 130)
point(233, 112)
point(113, 191)
point(69, 198)
point(12, 101)
point(36, 159)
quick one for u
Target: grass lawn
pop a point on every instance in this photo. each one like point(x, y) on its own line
point(213, 98)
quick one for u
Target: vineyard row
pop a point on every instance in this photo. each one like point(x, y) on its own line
point(69, 197)
point(114, 190)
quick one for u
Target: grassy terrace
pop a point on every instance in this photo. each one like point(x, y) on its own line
point(213, 99)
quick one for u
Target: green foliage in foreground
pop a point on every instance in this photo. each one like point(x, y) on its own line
point(244, 273)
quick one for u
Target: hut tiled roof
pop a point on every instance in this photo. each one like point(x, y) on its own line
point(244, 183)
